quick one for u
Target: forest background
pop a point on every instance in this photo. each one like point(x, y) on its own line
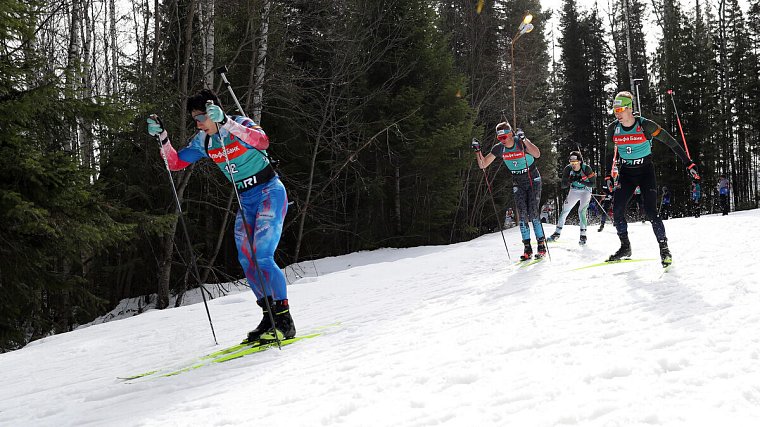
point(370, 106)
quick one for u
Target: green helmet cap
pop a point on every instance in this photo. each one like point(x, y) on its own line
point(622, 101)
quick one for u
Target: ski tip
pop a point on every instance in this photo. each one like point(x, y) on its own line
point(134, 377)
point(613, 262)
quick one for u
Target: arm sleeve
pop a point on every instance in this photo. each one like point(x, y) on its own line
point(248, 132)
point(590, 180)
point(565, 177)
point(496, 150)
point(186, 156)
point(663, 136)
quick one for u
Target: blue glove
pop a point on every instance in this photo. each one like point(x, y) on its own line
point(155, 127)
point(215, 113)
point(475, 145)
point(520, 134)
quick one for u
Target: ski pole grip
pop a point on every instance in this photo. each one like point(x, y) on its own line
point(222, 70)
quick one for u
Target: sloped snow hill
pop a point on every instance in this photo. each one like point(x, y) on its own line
point(451, 335)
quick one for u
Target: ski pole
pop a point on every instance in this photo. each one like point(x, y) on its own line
point(223, 73)
point(495, 211)
point(683, 137)
point(247, 236)
point(659, 210)
point(600, 205)
point(193, 263)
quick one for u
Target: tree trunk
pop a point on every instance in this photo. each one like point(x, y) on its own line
point(114, 48)
point(261, 59)
point(183, 178)
point(156, 44)
point(165, 266)
point(219, 237)
point(207, 14)
point(72, 66)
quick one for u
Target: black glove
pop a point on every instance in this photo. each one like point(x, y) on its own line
point(520, 134)
point(692, 168)
point(475, 145)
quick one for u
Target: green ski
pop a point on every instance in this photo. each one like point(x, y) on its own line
point(527, 263)
point(601, 264)
point(226, 354)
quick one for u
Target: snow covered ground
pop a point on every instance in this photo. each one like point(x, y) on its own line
point(449, 335)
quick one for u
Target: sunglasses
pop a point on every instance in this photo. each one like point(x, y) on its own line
point(619, 109)
point(574, 161)
point(200, 118)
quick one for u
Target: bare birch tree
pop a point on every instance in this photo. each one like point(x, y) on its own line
point(261, 59)
point(206, 16)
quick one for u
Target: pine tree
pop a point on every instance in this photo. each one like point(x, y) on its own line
point(627, 25)
point(582, 116)
point(52, 219)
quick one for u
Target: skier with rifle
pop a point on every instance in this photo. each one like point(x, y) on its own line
point(580, 179)
point(519, 155)
point(630, 139)
point(237, 145)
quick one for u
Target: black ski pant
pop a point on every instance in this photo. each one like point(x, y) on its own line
point(724, 203)
point(644, 178)
point(665, 211)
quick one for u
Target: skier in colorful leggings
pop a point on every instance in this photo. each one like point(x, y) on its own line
point(519, 155)
point(579, 177)
point(629, 139)
point(237, 145)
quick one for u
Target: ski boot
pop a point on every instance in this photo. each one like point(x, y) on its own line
point(284, 327)
point(601, 227)
point(527, 251)
point(665, 256)
point(282, 319)
point(582, 241)
point(624, 251)
point(554, 237)
point(541, 249)
point(264, 325)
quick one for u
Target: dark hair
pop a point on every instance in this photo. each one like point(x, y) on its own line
point(197, 102)
point(577, 154)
